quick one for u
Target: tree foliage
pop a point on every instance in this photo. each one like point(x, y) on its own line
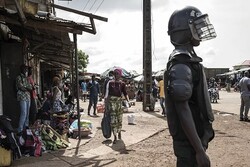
point(83, 60)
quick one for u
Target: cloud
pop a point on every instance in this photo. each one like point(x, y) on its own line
point(120, 40)
point(107, 6)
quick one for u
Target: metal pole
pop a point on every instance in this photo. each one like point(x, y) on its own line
point(77, 87)
point(72, 80)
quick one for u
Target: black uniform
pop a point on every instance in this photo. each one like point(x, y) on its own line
point(189, 112)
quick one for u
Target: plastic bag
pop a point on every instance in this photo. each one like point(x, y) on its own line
point(106, 127)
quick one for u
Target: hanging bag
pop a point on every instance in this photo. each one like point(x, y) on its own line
point(106, 127)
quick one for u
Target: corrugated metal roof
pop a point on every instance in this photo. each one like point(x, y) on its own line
point(234, 72)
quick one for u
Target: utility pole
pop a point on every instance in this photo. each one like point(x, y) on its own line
point(147, 56)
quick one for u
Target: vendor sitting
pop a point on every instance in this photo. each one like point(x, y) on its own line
point(69, 103)
point(44, 111)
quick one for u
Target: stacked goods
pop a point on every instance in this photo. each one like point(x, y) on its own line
point(60, 122)
point(86, 127)
point(51, 139)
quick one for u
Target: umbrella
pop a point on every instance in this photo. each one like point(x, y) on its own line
point(125, 73)
point(159, 73)
point(139, 78)
point(134, 73)
point(85, 77)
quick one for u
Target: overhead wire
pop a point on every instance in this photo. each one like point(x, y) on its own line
point(98, 6)
point(92, 5)
point(83, 9)
point(85, 5)
point(90, 9)
point(152, 30)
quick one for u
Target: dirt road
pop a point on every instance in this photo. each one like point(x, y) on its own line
point(230, 147)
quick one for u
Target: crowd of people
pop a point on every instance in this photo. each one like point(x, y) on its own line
point(241, 85)
point(113, 91)
point(33, 109)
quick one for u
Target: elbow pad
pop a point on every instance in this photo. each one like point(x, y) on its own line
point(180, 82)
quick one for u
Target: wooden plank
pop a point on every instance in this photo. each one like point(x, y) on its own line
point(45, 26)
point(80, 12)
point(20, 12)
point(36, 1)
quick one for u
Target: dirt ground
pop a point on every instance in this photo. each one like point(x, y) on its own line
point(230, 147)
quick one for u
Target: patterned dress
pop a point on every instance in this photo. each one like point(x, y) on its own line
point(116, 114)
point(57, 104)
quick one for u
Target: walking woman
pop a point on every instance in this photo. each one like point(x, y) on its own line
point(113, 96)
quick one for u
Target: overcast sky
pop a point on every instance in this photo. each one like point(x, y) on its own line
point(118, 42)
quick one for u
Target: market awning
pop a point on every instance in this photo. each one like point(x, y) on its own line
point(234, 72)
point(244, 69)
point(47, 37)
point(125, 73)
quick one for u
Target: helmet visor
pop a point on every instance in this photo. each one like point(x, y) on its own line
point(202, 29)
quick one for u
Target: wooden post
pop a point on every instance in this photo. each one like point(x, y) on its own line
point(147, 56)
point(77, 86)
point(20, 12)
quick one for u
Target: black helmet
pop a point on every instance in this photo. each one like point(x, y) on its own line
point(189, 25)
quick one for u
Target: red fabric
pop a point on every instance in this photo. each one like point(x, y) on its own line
point(33, 92)
point(38, 147)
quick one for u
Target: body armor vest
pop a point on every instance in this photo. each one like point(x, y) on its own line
point(199, 102)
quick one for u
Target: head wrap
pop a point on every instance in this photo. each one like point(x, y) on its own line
point(118, 71)
point(56, 81)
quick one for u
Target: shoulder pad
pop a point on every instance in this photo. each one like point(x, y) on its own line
point(181, 86)
point(181, 71)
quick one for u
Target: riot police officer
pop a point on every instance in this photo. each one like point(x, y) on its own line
point(189, 111)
